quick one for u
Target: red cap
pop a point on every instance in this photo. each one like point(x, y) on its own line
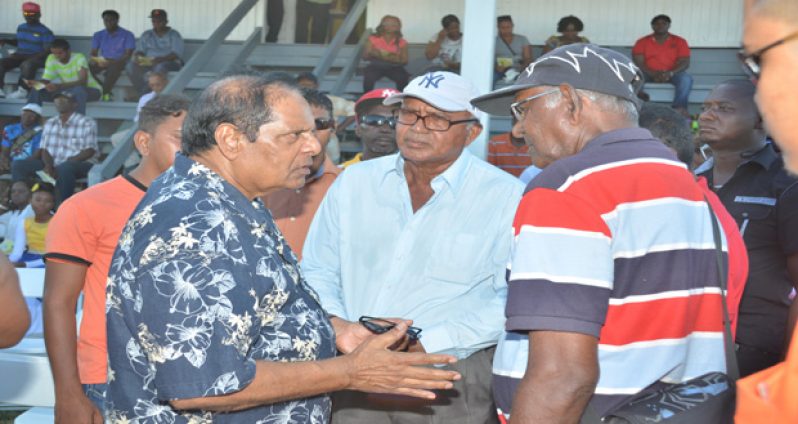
point(376, 94)
point(31, 7)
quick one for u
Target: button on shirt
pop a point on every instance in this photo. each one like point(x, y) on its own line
point(763, 199)
point(153, 45)
point(202, 285)
point(63, 141)
point(368, 253)
point(113, 45)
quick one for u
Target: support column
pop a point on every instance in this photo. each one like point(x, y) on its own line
point(479, 37)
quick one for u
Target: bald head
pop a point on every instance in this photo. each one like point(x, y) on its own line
point(245, 101)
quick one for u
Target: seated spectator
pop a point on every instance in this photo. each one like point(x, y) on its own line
point(65, 72)
point(29, 238)
point(376, 126)
point(160, 49)
point(664, 57)
point(19, 209)
point(157, 81)
point(33, 45)
point(21, 140)
point(110, 50)
point(293, 210)
point(569, 28)
point(68, 148)
point(445, 48)
point(386, 52)
point(513, 51)
point(508, 153)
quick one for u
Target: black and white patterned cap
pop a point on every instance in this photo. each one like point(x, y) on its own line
point(584, 66)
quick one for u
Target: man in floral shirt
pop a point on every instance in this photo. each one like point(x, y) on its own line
point(209, 318)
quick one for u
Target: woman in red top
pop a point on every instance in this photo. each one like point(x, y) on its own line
point(386, 52)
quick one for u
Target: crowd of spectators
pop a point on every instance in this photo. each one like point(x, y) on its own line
point(240, 274)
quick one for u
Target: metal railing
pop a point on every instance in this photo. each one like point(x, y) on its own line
point(115, 160)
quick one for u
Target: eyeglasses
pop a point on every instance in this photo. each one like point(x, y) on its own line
point(751, 61)
point(431, 122)
point(380, 326)
point(519, 112)
point(378, 121)
point(324, 123)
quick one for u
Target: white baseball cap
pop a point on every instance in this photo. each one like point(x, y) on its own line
point(442, 90)
point(33, 107)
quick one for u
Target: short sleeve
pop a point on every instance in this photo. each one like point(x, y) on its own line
point(80, 61)
point(549, 290)
point(6, 142)
point(402, 42)
point(639, 47)
point(130, 41)
point(682, 49)
point(177, 43)
point(71, 235)
point(47, 36)
point(524, 41)
point(95, 40)
point(787, 216)
point(200, 337)
point(50, 72)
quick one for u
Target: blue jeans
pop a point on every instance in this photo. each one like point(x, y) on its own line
point(96, 394)
point(137, 72)
point(82, 96)
point(682, 83)
point(68, 173)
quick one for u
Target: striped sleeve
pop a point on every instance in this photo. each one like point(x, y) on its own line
point(561, 272)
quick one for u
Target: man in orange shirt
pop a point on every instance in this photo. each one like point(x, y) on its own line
point(293, 209)
point(80, 243)
point(664, 57)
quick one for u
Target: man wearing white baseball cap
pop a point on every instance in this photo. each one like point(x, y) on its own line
point(423, 234)
point(21, 140)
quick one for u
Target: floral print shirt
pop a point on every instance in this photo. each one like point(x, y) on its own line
point(201, 286)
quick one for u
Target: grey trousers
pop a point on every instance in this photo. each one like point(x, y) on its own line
point(470, 401)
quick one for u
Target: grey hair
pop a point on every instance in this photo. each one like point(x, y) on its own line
point(605, 102)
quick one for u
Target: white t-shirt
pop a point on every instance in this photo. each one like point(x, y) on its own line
point(450, 50)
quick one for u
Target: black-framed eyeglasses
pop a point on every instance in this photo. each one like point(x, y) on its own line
point(380, 326)
point(324, 124)
point(751, 61)
point(378, 121)
point(431, 122)
point(518, 111)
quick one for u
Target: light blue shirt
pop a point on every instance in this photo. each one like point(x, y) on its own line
point(443, 266)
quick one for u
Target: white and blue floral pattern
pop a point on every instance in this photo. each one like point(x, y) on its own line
point(201, 286)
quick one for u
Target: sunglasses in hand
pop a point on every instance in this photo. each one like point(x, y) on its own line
point(380, 326)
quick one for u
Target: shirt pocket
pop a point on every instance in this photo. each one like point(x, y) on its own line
point(756, 212)
point(460, 260)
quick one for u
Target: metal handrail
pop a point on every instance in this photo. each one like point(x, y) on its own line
point(351, 66)
point(340, 37)
point(113, 163)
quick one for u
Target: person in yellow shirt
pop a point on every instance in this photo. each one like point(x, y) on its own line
point(29, 238)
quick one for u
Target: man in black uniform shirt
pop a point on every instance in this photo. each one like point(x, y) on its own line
point(749, 177)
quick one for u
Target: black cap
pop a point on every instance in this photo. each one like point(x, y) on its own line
point(583, 66)
point(158, 13)
point(65, 94)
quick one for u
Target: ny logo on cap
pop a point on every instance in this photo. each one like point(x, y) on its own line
point(431, 79)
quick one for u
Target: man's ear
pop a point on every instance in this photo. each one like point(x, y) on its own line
point(573, 102)
point(142, 139)
point(474, 130)
point(229, 140)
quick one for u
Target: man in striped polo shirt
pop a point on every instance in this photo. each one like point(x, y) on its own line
point(613, 288)
point(33, 44)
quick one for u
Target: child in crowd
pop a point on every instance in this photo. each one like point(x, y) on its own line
point(29, 239)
